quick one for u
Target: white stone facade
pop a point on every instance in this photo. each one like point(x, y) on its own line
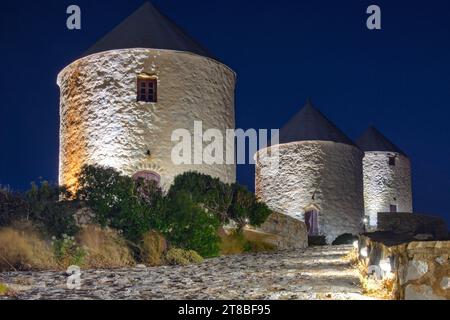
point(321, 175)
point(102, 122)
point(385, 184)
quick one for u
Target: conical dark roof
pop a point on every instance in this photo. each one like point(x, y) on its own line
point(374, 140)
point(311, 124)
point(147, 27)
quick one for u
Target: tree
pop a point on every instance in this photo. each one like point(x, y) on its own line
point(210, 193)
point(135, 207)
point(49, 210)
point(191, 227)
point(246, 209)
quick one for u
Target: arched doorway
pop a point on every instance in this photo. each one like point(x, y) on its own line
point(312, 222)
point(148, 176)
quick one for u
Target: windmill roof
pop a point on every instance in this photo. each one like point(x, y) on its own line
point(310, 124)
point(374, 140)
point(147, 27)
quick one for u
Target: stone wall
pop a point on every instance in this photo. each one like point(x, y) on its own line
point(321, 175)
point(420, 270)
point(413, 224)
point(386, 185)
point(291, 233)
point(103, 123)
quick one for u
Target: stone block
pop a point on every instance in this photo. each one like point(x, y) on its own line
point(423, 292)
point(291, 232)
point(416, 269)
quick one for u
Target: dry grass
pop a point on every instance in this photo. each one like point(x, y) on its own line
point(153, 248)
point(3, 289)
point(182, 257)
point(258, 242)
point(246, 241)
point(379, 289)
point(231, 244)
point(22, 248)
point(105, 248)
point(352, 257)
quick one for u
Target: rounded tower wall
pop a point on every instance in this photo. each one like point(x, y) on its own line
point(320, 175)
point(103, 123)
point(386, 184)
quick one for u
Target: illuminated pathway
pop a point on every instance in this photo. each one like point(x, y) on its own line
point(316, 273)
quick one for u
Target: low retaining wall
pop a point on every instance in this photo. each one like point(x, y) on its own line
point(291, 234)
point(420, 270)
point(413, 224)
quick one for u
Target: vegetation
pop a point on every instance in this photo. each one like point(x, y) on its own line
point(104, 248)
point(191, 227)
point(22, 248)
point(153, 248)
point(176, 256)
point(67, 252)
point(135, 221)
point(240, 241)
point(3, 289)
point(246, 209)
point(210, 193)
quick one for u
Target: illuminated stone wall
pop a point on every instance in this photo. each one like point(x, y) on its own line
point(102, 123)
point(323, 175)
point(386, 185)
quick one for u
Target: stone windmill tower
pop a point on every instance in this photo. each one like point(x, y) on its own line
point(121, 101)
point(387, 177)
point(317, 177)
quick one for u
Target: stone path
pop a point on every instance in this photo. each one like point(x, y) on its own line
point(315, 273)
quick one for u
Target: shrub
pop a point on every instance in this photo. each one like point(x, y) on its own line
point(246, 209)
point(233, 243)
point(153, 247)
point(47, 212)
point(240, 241)
point(12, 207)
point(104, 248)
point(67, 252)
point(105, 190)
point(3, 289)
point(176, 256)
point(191, 227)
point(24, 249)
point(121, 203)
point(212, 194)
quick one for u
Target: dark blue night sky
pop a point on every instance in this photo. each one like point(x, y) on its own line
point(284, 51)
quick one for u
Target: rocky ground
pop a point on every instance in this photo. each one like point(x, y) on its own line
point(314, 273)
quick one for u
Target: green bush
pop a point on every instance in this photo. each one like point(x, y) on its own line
point(67, 252)
point(176, 256)
point(190, 227)
point(246, 209)
point(212, 194)
point(12, 207)
point(49, 211)
point(135, 207)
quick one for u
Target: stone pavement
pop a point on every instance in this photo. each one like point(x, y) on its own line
point(313, 273)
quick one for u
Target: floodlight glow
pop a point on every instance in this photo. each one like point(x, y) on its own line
point(364, 252)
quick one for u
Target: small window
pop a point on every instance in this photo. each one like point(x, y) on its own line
point(393, 208)
point(147, 89)
point(391, 160)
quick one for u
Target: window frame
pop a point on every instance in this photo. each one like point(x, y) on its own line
point(147, 89)
point(392, 161)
